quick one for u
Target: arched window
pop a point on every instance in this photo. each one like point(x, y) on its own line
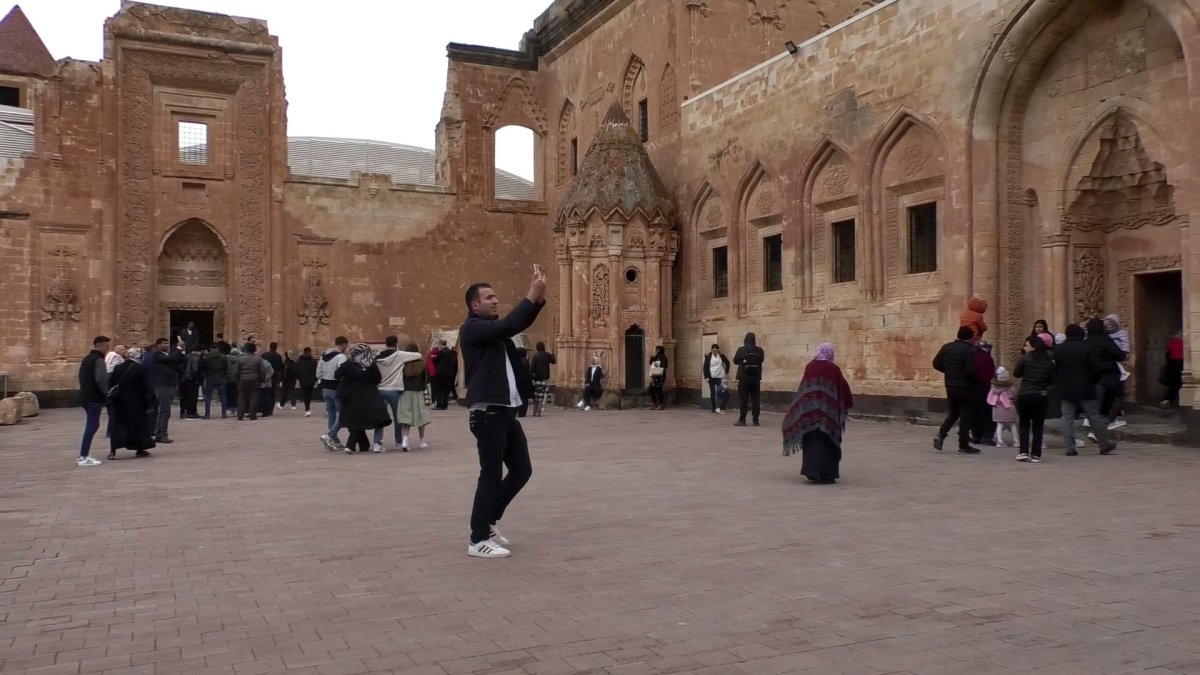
point(516, 166)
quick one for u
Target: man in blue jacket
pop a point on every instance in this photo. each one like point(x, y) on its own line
point(496, 388)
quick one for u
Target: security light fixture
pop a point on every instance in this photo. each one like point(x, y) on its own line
point(791, 47)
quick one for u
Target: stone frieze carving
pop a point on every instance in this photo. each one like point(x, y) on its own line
point(1089, 285)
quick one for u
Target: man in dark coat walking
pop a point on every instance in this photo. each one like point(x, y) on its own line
point(1079, 369)
point(956, 360)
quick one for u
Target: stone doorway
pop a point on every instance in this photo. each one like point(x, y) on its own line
point(1158, 316)
point(205, 320)
point(193, 273)
point(635, 358)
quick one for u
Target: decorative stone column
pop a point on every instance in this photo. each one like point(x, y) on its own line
point(1056, 276)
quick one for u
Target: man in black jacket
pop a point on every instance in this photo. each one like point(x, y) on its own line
point(749, 359)
point(93, 394)
point(494, 393)
point(956, 360)
point(1079, 369)
point(166, 382)
point(272, 357)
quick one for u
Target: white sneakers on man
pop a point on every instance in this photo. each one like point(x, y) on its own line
point(487, 549)
point(378, 447)
point(88, 461)
point(499, 538)
point(579, 405)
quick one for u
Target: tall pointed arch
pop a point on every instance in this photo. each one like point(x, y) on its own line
point(668, 98)
point(633, 88)
point(708, 228)
point(830, 244)
point(568, 143)
point(758, 236)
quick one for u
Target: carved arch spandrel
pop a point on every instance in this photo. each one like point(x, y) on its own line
point(759, 214)
point(516, 105)
point(668, 95)
point(567, 130)
point(907, 157)
point(831, 181)
point(633, 87)
point(707, 221)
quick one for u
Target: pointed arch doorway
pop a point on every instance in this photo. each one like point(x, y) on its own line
point(193, 281)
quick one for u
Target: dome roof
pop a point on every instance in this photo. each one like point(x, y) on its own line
point(616, 175)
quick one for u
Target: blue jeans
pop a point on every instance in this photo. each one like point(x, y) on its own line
point(209, 387)
point(392, 398)
point(90, 427)
point(331, 412)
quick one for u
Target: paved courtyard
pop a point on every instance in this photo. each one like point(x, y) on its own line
point(646, 542)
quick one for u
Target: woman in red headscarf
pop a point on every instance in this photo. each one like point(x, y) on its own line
point(816, 420)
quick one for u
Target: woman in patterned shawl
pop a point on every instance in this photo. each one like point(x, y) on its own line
point(815, 422)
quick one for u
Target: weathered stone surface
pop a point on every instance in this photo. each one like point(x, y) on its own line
point(10, 411)
point(29, 404)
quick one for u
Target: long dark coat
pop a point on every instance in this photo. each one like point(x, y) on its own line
point(359, 405)
point(132, 410)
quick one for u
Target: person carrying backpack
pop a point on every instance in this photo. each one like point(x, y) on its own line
point(749, 360)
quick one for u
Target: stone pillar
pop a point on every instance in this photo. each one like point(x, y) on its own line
point(566, 324)
point(654, 289)
point(1056, 274)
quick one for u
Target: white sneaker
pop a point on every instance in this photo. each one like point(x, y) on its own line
point(1091, 437)
point(1079, 443)
point(293, 406)
point(308, 413)
point(425, 446)
point(579, 405)
point(88, 461)
point(1035, 460)
point(487, 549)
point(587, 409)
point(325, 441)
point(1001, 444)
point(279, 406)
point(1087, 423)
point(499, 538)
point(1023, 457)
point(1117, 425)
point(378, 447)
point(720, 411)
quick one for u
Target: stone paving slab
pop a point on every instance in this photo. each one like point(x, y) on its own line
point(647, 542)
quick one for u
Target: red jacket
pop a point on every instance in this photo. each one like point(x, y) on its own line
point(972, 317)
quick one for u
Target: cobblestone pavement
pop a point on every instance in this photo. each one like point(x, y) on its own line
point(646, 542)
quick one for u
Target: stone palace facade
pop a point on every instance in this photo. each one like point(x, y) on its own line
point(809, 170)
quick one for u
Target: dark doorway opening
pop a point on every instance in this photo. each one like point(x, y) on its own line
point(203, 318)
point(1159, 315)
point(635, 359)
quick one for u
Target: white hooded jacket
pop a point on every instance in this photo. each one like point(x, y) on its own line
point(391, 367)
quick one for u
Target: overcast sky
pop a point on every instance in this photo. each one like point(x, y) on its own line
point(371, 69)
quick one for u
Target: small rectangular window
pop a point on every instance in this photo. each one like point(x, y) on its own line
point(193, 142)
point(773, 263)
point(720, 256)
point(10, 96)
point(843, 252)
point(574, 156)
point(922, 238)
point(644, 120)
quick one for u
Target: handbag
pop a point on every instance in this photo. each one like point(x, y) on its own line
point(657, 370)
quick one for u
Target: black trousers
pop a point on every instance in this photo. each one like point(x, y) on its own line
point(712, 393)
point(1031, 414)
point(962, 411)
point(501, 444)
point(982, 426)
point(358, 441)
point(441, 392)
point(247, 399)
point(189, 396)
point(590, 394)
point(656, 390)
point(749, 395)
point(306, 396)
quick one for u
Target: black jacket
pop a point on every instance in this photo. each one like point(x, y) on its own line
point(445, 365)
point(306, 371)
point(540, 365)
point(276, 362)
point(93, 378)
point(358, 393)
point(486, 344)
point(1036, 371)
point(749, 359)
point(1107, 355)
point(1076, 371)
point(166, 368)
point(708, 365)
point(956, 360)
point(593, 378)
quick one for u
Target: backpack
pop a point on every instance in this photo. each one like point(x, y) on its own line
point(752, 362)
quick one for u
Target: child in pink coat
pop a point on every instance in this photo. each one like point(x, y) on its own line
point(1004, 411)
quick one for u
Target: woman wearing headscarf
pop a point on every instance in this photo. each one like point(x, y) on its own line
point(132, 407)
point(413, 411)
point(359, 405)
point(816, 420)
point(658, 378)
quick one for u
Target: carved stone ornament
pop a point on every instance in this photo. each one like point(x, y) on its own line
point(59, 304)
point(313, 312)
point(668, 98)
point(1089, 285)
point(519, 96)
point(1124, 190)
point(914, 159)
point(836, 178)
point(600, 304)
point(766, 201)
point(712, 215)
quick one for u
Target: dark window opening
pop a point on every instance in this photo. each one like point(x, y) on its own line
point(574, 156)
point(10, 96)
point(922, 238)
point(843, 252)
point(773, 263)
point(644, 120)
point(720, 256)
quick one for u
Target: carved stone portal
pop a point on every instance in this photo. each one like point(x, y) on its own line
point(313, 312)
